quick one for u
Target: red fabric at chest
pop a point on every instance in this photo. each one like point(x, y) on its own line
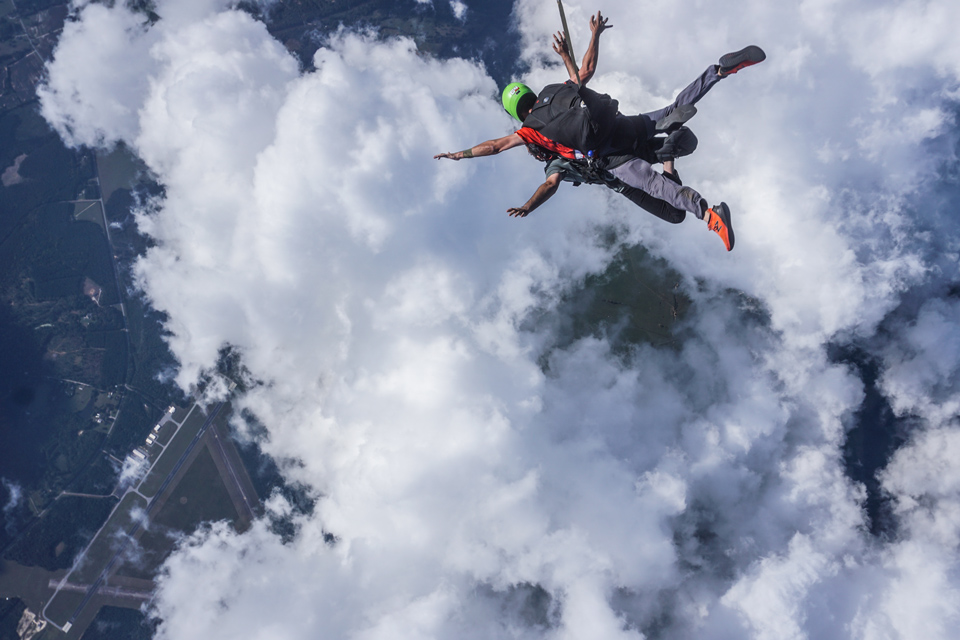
point(530, 136)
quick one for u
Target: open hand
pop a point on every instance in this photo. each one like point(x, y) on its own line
point(598, 24)
point(518, 212)
point(560, 45)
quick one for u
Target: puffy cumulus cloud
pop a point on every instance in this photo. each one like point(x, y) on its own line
point(923, 369)
point(84, 104)
point(484, 473)
point(923, 477)
point(88, 106)
point(919, 593)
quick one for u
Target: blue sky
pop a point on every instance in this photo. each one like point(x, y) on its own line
point(386, 301)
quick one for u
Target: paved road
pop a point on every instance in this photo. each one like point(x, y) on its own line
point(115, 592)
point(251, 514)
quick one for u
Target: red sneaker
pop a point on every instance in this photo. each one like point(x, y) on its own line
point(733, 62)
point(718, 219)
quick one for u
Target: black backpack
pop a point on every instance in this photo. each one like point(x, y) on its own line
point(573, 116)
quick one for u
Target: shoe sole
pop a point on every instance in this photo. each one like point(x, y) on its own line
point(724, 212)
point(676, 117)
point(733, 62)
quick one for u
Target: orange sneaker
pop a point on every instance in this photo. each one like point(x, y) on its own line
point(718, 219)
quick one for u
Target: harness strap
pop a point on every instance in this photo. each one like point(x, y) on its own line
point(566, 35)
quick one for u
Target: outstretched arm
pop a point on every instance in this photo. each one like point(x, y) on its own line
point(589, 63)
point(560, 46)
point(488, 148)
point(542, 194)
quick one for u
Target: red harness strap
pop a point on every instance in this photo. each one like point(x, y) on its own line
point(530, 136)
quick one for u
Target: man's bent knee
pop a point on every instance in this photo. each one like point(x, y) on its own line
point(678, 144)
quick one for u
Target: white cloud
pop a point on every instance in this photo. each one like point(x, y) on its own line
point(771, 599)
point(131, 470)
point(14, 500)
point(485, 478)
point(923, 374)
point(102, 107)
point(459, 9)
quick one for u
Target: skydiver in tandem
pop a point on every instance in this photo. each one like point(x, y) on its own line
point(582, 137)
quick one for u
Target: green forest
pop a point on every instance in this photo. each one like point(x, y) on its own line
point(80, 380)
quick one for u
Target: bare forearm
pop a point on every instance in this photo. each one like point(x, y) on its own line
point(562, 48)
point(589, 63)
point(482, 149)
point(598, 24)
point(488, 148)
point(541, 195)
point(572, 70)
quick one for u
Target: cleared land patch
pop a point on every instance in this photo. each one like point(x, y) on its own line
point(199, 497)
point(89, 211)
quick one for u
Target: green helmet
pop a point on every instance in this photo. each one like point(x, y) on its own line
point(513, 94)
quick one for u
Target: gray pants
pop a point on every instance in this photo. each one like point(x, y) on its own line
point(691, 95)
point(639, 174)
